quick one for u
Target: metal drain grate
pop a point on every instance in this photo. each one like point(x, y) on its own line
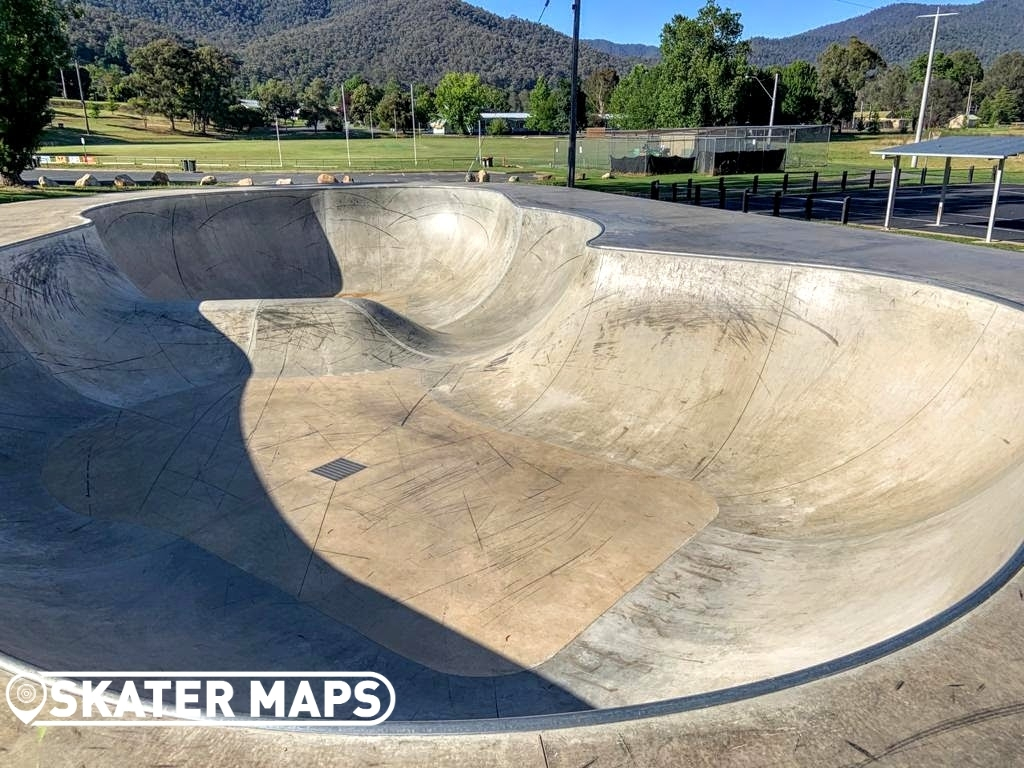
point(338, 469)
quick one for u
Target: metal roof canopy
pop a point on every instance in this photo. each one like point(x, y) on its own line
point(968, 147)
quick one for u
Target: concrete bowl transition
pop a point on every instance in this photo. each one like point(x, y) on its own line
point(620, 458)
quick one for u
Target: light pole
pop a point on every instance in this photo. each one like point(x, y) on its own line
point(412, 107)
point(573, 90)
point(773, 95)
point(927, 76)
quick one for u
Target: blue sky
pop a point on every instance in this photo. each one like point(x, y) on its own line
point(622, 22)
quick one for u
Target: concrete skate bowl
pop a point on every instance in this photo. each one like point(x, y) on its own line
point(455, 440)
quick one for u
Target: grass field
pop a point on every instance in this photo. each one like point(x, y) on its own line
point(126, 141)
point(123, 140)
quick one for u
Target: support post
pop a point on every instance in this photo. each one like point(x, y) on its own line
point(871, 179)
point(844, 216)
point(696, 194)
point(746, 201)
point(809, 207)
point(995, 200)
point(893, 182)
point(776, 203)
point(842, 184)
point(942, 194)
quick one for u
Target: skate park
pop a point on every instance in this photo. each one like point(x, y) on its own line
point(621, 467)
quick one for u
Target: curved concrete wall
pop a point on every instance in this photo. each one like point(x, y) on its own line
point(860, 435)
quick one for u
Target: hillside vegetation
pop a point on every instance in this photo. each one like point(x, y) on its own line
point(409, 40)
point(989, 28)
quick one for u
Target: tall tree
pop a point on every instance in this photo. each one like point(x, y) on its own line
point(889, 92)
point(392, 110)
point(703, 62)
point(159, 70)
point(315, 103)
point(459, 98)
point(843, 71)
point(542, 107)
point(277, 98)
point(599, 86)
point(1004, 84)
point(798, 86)
point(634, 103)
point(207, 91)
point(33, 43)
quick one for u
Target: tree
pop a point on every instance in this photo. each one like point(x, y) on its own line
point(634, 103)
point(1001, 107)
point(315, 104)
point(542, 108)
point(599, 86)
point(459, 98)
point(959, 67)
point(362, 100)
point(33, 43)
point(549, 109)
point(843, 71)
point(424, 105)
point(703, 62)
point(392, 111)
point(206, 89)
point(889, 92)
point(278, 99)
point(159, 70)
point(1006, 73)
point(798, 88)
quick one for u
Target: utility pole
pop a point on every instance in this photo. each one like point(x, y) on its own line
point(573, 90)
point(81, 96)
point(63, 85)
point(967, 112)
point(927, 75)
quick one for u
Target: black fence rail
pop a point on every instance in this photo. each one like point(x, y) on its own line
point(809, 195)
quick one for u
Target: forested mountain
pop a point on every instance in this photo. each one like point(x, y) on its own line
point(301, 39)
point(988, 28)
point(628, 50)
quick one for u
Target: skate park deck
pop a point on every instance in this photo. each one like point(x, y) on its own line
point(631, 459)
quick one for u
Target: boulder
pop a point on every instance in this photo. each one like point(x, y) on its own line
point(207, 181)
point(346, 179)
point(482, 176)
point(88, 180)
point(246, 182)
point(44, 182)
point(608, 175)
point(160, 179)
point(124, 181)
point(543, 176)
point(513, 179)
point(326, 178)
point(283, 182)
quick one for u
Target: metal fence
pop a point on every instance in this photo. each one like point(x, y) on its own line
point(735, 149)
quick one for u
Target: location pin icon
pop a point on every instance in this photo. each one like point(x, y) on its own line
point(26, 696)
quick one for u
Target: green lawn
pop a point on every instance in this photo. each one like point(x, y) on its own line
point(122, 140)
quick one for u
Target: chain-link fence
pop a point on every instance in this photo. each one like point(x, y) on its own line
point(709, 151)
